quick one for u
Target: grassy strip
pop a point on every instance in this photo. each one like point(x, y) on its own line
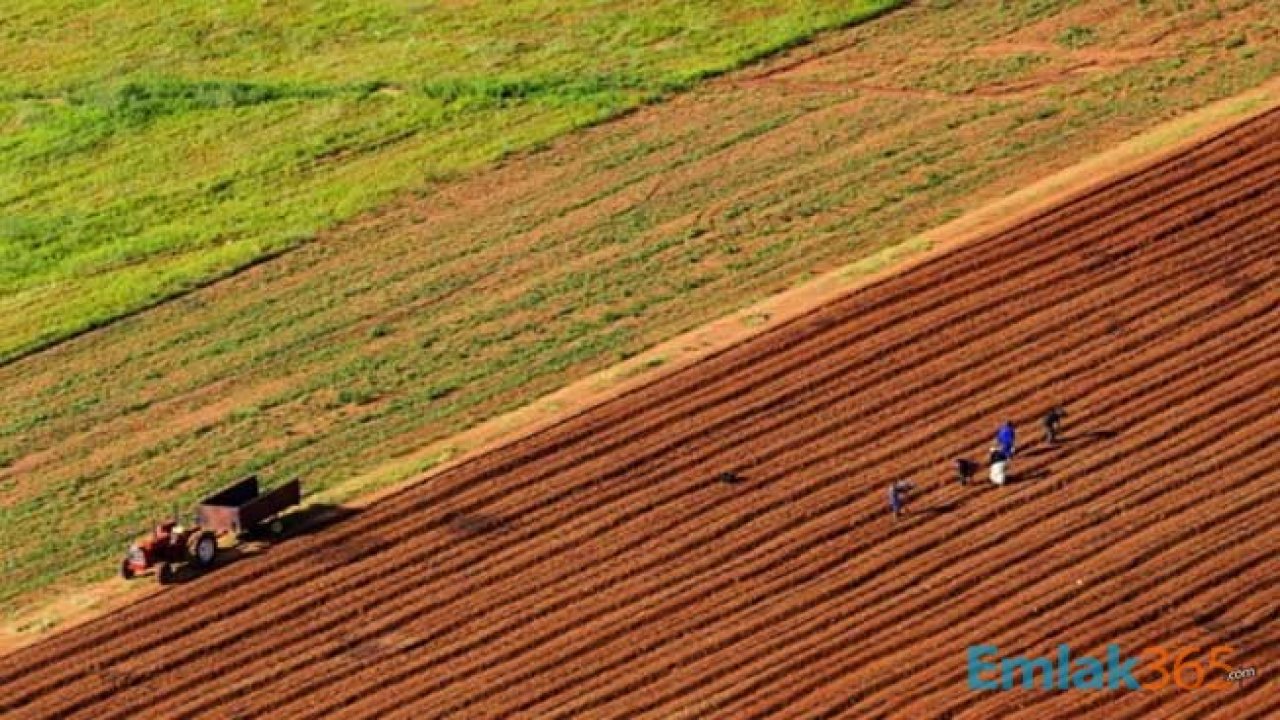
point(119, 188)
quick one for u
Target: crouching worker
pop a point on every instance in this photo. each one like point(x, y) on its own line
point(1052, 423)
point(898, 495)
point(999, 465)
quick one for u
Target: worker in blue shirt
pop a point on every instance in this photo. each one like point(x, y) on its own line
point(1005, 439)
point(898, 492)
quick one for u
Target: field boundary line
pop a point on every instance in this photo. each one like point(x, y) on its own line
point(667, 358)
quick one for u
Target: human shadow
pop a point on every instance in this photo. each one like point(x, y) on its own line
point(1041, 447)
point(1087, 436)
point(1026, 476)
point(942, 509)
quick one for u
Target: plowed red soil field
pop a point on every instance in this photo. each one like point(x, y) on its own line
point(601, 568)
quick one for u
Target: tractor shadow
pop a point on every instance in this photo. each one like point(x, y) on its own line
point(311, 519)
point(300, 523)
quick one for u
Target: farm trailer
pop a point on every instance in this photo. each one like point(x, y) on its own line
point(233, 511)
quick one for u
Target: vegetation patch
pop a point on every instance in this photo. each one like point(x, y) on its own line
point(119, 188)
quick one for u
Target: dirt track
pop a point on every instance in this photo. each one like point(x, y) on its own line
point(599, 569)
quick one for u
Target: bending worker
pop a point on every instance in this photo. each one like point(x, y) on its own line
point(1053, 424)
point(999, 465)
point(1005, 439)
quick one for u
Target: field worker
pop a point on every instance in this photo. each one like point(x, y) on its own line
point(898, 492)
point(965, 470)
point(1053, 423)
point(999, 465)
point(1004, 439)
point(729, 477)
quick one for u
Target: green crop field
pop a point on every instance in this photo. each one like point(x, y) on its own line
point(135, 164)
point(118, 186)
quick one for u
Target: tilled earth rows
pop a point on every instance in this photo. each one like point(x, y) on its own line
point(601, 568)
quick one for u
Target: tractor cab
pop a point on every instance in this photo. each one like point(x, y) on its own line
point(164, 532)
point(162, 536)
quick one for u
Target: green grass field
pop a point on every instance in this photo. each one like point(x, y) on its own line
point(118, 186)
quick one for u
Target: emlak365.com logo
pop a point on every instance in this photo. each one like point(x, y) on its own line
point(1155, 668)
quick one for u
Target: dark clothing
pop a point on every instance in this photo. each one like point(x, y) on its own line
point(898, 496)
point(1050, 433)
point(965, 470)
point(997, 455)
point(1052, 423)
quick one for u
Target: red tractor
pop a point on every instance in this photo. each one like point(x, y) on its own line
point(170, 544)
point(237, 509)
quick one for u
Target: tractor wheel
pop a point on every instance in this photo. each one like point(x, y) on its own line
point(202, 548)
point(126, 570)
point(164, 574)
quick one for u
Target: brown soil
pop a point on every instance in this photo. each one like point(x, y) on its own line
point(600, 568)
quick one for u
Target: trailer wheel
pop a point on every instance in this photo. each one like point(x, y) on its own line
point(276, 527)
point(202, 548)
point(164, 574)
point(126, 570)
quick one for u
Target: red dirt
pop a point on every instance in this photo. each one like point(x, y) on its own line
point(599, 568)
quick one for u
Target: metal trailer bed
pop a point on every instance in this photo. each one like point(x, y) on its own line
point(242, 507)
